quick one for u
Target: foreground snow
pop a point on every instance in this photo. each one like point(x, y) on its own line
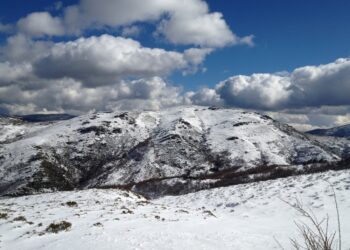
point(247, 216)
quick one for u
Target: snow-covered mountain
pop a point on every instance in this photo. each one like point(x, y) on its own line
point(173, 151)
point(342, 131)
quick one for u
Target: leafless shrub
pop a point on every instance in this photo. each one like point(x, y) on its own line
point(314, 232)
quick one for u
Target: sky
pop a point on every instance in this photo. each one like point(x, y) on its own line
point(288, 59)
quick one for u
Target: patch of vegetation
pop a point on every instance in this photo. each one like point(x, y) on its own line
point(98, 224)
point(106, 123)
point(117, 131)
point(210, 213)
point(51, 176)
point(232, 138)
point(185, 122)
point(20, 218)
point(142, 203)
point(266, 117)
point(182, 211)
point(123, 116)
point(213, 108)
point(58, 227)
point(3, 216)
point(97, 129)
point(71, 204)
point(126, 210)
point(241, 124)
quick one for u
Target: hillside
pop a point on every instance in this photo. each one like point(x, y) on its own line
point(246, 216)
point(175, 151)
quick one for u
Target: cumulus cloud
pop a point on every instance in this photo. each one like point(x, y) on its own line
point(10, 74)
point(202, 29)
point(105, 60)
point(194, 58)
point(99, 73)
point(262, 91)
point(185, 22)
point(310, 121)
point(68, 95)
point(308, 97)
point(205, 96)
point(39, 24)
point(327, 84)
point(20, 48)
point(95, 60)
point(131, 31)
point(310, 86)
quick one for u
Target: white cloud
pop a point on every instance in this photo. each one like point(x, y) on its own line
point(259, 91)
point(107, 59)
point(20, 48)
point(310, 121)
point(131, 31)
point(202, 29)
point(147, 94)
point(67, 95)
point(196, 56)
point(310, 86)
point(39, 24)
point(205, 96)
point(186, 22)
point(10, 74)
point(309, 97)
point(327, 84)
point(88, 73)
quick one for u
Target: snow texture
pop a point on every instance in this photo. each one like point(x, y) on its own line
point(173, 151)
point(247, 216)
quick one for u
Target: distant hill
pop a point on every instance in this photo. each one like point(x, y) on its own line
point(342, 131)
point(45, 117)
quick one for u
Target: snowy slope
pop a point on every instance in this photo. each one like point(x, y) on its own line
point(174, 151)
point(246, 216)
point(337, 145)
point(12, 129)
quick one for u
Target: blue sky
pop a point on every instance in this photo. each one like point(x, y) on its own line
point(74, 56)
point(288, 34)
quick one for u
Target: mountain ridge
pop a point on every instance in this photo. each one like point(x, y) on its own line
point(174, 151)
